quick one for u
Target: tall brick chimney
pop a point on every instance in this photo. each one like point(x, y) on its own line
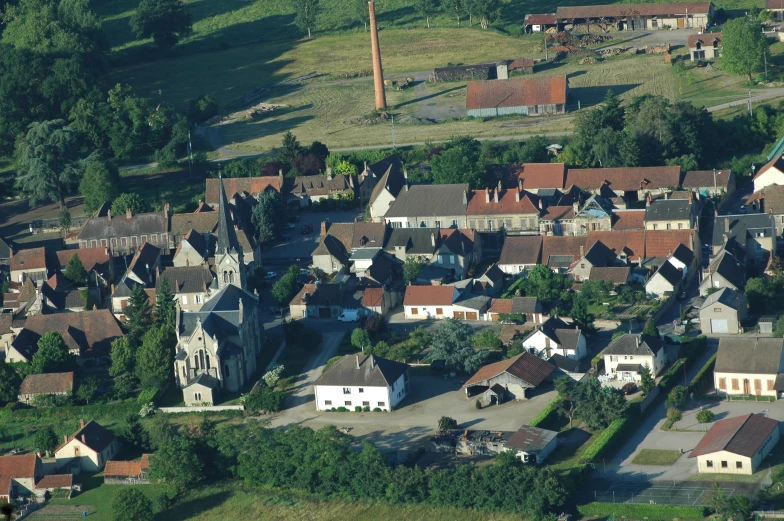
point(378, 72)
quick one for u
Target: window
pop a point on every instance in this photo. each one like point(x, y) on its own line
point(361, 389)
point(669, 226)
point(382, 404)
point(451, 259)
point(185, 300)
point(327, 402)
point(717, 310)
point(770, 385)
point(197, 397)
point(490, 225)
point(481, 226)
point(198, 299)
point(144, 239)
point(531, 223)
point(757, 384)
point(154, 239)
point(423, 224)
point(509, 223)
point(365, 404)
point(709, 464)
point(347, 390)
point(409, 225)
point(439, 311)
point(722, 384)
point(124, 242)
point(440, 259)
point(438, 224)
point(472, 224)
point(582, 266)
point(414, 311)
point(724, 465)
point(397, 225)
point(655, 226)
point(738, 464)
point(455, 225)
point(347, 403)
point(680, 226)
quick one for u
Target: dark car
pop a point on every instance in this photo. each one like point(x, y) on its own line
point(285, 236)
point(306, 229)
point(629, 388)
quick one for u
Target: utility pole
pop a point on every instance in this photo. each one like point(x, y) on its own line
point(545, 46)
point(190, 156)
point(393, 132)
point(765, 59)
point(750, 112)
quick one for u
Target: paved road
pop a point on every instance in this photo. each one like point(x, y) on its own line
point(756, 96)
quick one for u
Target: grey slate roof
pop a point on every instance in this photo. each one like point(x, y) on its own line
point(564, 363)
point(531, 439)
point(187, 279)
point(204, 379)
point(362, 370)
point(726, 265)
point(600, 255)
point(683, 254)
point(472, 301)
point(739, 228)
point(559, 261)
point(97, 228)
point(526, 305)
point(630, 344)
point(728, 297)
point(430, 200)
point(390, 169)
point(416, 241)
point(749, 355)
point(220, 315)
point(668, 210)
point(670, 273)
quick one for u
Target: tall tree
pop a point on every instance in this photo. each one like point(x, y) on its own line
point(75, 270)
point(454, 7)
point(123, 356)
point(64, 221)
point(599, 406)
point(46, 439)
point(52, 354)
point(486, 10)
point(99, 185)
point(426, 9)
point(155, 357)
point(743, 47)
point(460, 163)
point(9, 383)
point(176, 463)
point(290, 149)
point(568, 393)
point(647, 383)
point(580, 314)
point(412, 267)
point(167, 21)
point(88, 388)
point(132, 202)
point(453, 342)
point(129, 504)
point(267, 216)
point(650, 328)
point(165, 308)
point(307, 12)
point(138, 314)
point(52, 26)
point(46, 160)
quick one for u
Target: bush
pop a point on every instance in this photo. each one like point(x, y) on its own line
point(366, 408)
point(478, 404)
point(672, 377)
point(641, 511)
point(358, 408)
point(704, 378)
point(610, 439)
point(377, 409)
point(263, 399)
point(341, 409)
point(549, 413)
point(147, 396)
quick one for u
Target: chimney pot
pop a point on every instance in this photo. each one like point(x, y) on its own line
point(433, 239)
point(487, 195)
point(517, 196)
point(280, 172)
point(109, 214)
point(541, 204)
point(405, 174)
point(465, 196)
point(128, 213)
point(499, 185)
point(727, 225)
point(65, 438)
point(496, 194)
point(582, 251)
point(357, 361)
point(323, 227)
point(84, 439)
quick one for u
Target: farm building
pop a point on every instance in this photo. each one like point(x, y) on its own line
point(127, 472)
point(512, 379)
point(526, 96)
point(630, 17)
point(539, 23)
point(500, 70)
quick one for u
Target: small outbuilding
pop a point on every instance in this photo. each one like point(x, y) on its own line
point(512, 379)
point(532, 444)
point(736, 445)
point(47, 384)
point(127, 472)
point(704, 46)
point(723, 312)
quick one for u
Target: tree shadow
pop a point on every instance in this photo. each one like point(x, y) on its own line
point(589, 96)
point(429, 96)
point(191, 508)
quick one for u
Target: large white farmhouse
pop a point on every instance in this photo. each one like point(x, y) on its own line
point(362, 381)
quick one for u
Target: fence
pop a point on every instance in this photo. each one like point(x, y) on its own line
point(200, 408)
point(771, 514)
point(672, 493)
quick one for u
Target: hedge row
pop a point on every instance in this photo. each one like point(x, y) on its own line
point(693, 347)
point(641, 511)
point(610, 439)
point(704, 378)
point(547, 414)
point(672, 377)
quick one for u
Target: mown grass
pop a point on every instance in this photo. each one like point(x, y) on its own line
point(656, 457)
point(233, 501)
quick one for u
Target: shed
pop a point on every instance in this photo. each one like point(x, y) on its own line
point(766, 324)
point(517, 376)
point(532, 444)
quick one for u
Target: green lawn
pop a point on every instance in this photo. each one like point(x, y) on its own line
point(232, 501)
point(656, 457)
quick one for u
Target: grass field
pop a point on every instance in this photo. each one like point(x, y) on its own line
point(230, 502)
point(656, 457)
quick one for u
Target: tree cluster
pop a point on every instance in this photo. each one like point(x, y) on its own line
point(287, 286)
point(453, 342)
point(541, 283)
point(595, 405)
point(268, 215)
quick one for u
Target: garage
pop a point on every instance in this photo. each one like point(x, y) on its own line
point(472, 315)
point(719, 325)
point(325, 312)
point(460, 315)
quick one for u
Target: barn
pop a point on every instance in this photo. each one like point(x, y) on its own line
point(512, 379)
point(525, 96)
point(630, 17)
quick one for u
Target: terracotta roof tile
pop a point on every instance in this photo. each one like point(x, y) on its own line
point(373, 297)
point(696, 179)
point(507, 203)
point(251, 185)
point(516, 92)
point(527, 367)
point(92, 258)
point(23, 466)
point(55, 481)
point(429, 296)
point(48, 383)
point(540, 19)
point(629, 220)
point(562, 245)
point(623, 10)
point(557, 213)
point(661, 243)
point(705, 40)
point(625, 179)
point(776, 163)
point(204, 222)
point(742, 435)
point(614, 275)
point(88, 332)
point(127, 468)
point(630, 242)
point(31, 259)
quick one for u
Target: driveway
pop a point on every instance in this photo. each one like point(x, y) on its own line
point(414, 421)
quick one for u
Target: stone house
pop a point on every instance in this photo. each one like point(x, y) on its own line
point(628, 219)
point(246, 186)
point(664, 282)
point(317, 301)
point(314, 188)
point(535, 177)
point(709, 183)
point(98, 263)
point(597, 256)
point(736, 445)
point(723, 312)
point(625, 357)
point(512, 379)
point(751, 238)
point(458, 250)
point(48, 384)
point(510, 211)
point(615, 275)
point(520, 253)
point(29, 264)
point(561, 253)
point(555, 336)
point(222, 340)
point(704, 46)
point(429, 206)
point(630, 17)
point(193, 249)
point(362, 381)
point(746, 366)
point(769, 200)
point(142, 271)
point(772, 173)
point(380, 183)
point(18, 475)
point(203, 221)
point(630, 183)
point(422, 243)
point(378, 301)
point(191, 285)
point(87, 450)
point(723, 272)
point(670, 214)
point(125, 234)
point(557, 220)
point(596, 214)
point(340, 240)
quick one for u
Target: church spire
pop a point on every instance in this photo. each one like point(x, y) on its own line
point(227, 237)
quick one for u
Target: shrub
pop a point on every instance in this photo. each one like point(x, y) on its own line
point(641, 511)
point(674, 414)
point(672, 377)
point(366, 408)
point(342, 409)
point(358, 408)
point(263, 399)
point(704, 378)
point(608, 440)
point(147, 396)
point(377, 409)
point(478, 404)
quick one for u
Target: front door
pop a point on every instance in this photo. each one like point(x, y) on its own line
point(681, 23)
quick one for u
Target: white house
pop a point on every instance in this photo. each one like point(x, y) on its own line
point(746, 366)
point(770, 174)
point(557, 337)
point(423, 302)
point(625, 356)
point(664, 282)
point(88, 449)
point(366, 382)
point(736, 445)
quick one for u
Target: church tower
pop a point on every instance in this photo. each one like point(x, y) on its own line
point(229, 260)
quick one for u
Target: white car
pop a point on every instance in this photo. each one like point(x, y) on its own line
point(290, 226)
point(270, 275)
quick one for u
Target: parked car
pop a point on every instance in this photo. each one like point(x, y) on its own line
point(306, 229)
point(290, 226)
point(285, 236)
point(270, 275)
point(629, 388)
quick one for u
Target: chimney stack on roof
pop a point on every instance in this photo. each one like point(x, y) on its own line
point(65, 438)
point(487, 195)
point(81, 422)
point(109, 214)
point(582, 251)
point(405, 174)
point(541, 204)
point(465, 196)
point(637, 339)
point(280, 172)
point(372, 361)
point(517, 196)
point(84, 439)
point(433, 239)
point(165, 210)
point(128, 213)
point(329, 173)
point(496, 194)
point(726, 225)
point(648, 200)
point(323, 227)
point(357, 361)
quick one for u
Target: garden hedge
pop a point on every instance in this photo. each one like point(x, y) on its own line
point(549, 413)
point(641, 511)
point(610, 439)
point(704, 378)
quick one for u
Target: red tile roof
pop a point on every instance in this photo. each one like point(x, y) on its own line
point(540, 175)
point(614, 275)
point(562, 245)
point(251, 185)
point(631, 242)
point(127, 468)
point(47, 383)
point(706, 40)
point(89, 332)
point(625, 179)
point(429, 296)
point(742, 435)
point(502, 306)
point(525, 366)
point(507, 203)
point(31, 259)
point(12, 467)
point(373, 297)
point(540, 19)
point(524, 249)
point(516, 92)
point(661, 243)
point(776, 163)
point(55, 481)
point(624, 10)
point(90, 257)
point(629, 220)
point(557, 213)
